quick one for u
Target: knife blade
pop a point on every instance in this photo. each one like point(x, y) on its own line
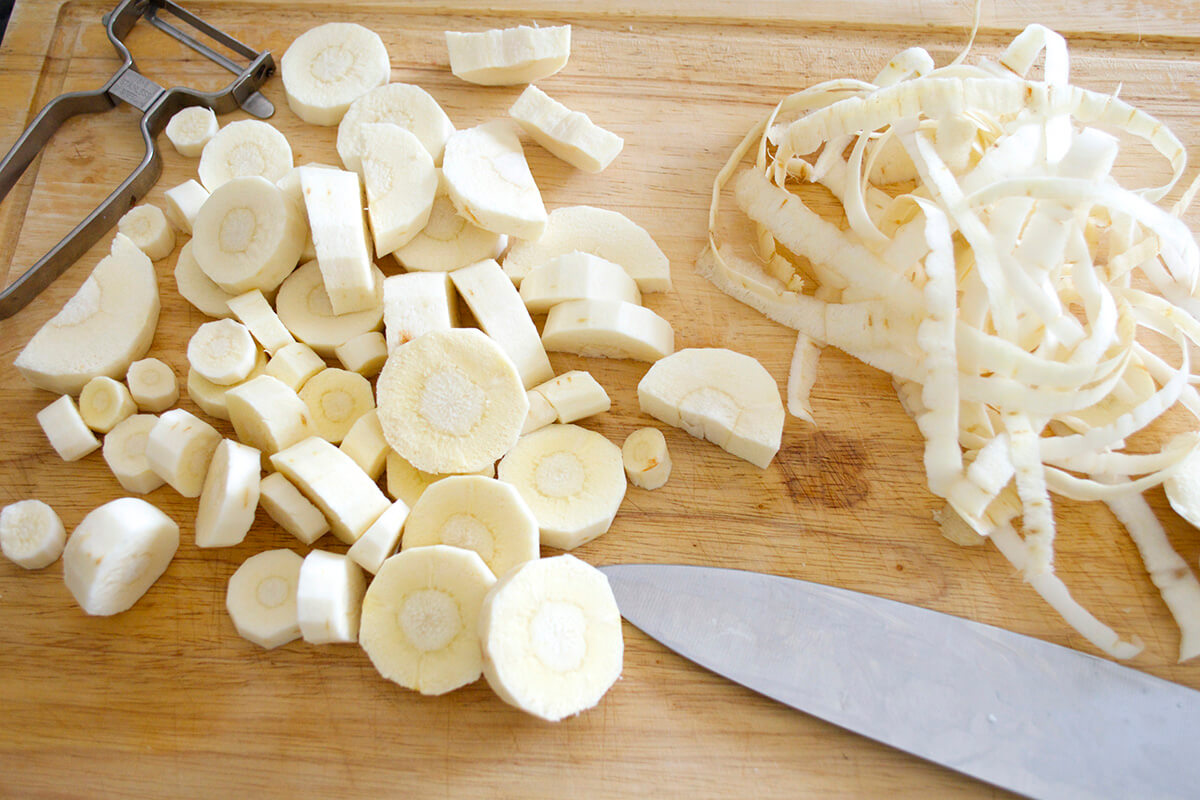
point(1025, 715)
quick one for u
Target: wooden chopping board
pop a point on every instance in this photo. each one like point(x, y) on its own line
point(166, 700)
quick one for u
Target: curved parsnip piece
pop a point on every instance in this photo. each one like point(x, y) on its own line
point(401, 183)
point(489, 181)
point(716, 394)
point(508, 56)
point(607, 234)
point(403, 104)
point(568, 134)
point(104, 328)
point(448, 241)
point(607, 329)
point(345, 494)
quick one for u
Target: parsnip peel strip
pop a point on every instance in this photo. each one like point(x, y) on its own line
point(1035, 315)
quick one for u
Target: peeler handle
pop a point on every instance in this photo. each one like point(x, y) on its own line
point(56, 261)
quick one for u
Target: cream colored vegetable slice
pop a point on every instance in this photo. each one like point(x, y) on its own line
point(401, 183)
point(570, 135)
point(152, 384)
point(1183, 489)
point(190, 129)
point(328, 67)
point(646, 459)
point(229, 496)
point(606, 234)
point(333, 200)
point(125, 453)
point(577, 276)
point(253, 311)
point(65, 429)
point(476, 513)
point(268, 415)
point(182, 203)
point(117, 553)
point(346, 495)
point(575, 395)
point(450, 401)
point(419, 618)
point(416, 303)
point(212, 398)
point(147, 227)
point(489, 181)
point(199, 289)
point(304, 306)
point(406, 482)
point(247, 236)
point(508, 56)
point(502, 316)
point(572, 479)
point(261, 598)
point(294, 364)
point(365, 444)
point(716, 394)
point(242, 149)
point(284, 503)
point(551, 637)
point(607, 329)
point(379, 541)
point(222, 352)
point(336, 399)
point(31, 534)
point(329, 597)
point(448, 241)
point(541, 413)
point(364, 354)
point(403, 104)
point(106, 326)
point(104, 402)
point(179, 448)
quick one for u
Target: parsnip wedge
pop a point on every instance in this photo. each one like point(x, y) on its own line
point(104, 328)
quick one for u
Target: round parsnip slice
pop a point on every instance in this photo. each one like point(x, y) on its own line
point(647, 461)
point(451, 401)
point(152, 384)
point(716, 394)
point(475, 513)
point(261, 598)
point(222, 352)
point(328, 67)
point(125, 453)
point(572, 479)
point(419, 618)
point(147, 227)
point(31, 534)
point(448, 241)
point(248, 147)
point(190, 129)
point(106, 326)
point(403, 104)
point(508, 56)
point(489, 180)
point(601, 232)
point(303, 305)
point(104, 402)
point(551, 636)
point(247, 236)
point(401, 183)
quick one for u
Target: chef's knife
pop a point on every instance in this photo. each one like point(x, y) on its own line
point(1023, 714)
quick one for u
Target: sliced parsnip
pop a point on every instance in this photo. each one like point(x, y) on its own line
point(489, 181)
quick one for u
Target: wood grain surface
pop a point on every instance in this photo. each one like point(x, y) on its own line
point(166, 699)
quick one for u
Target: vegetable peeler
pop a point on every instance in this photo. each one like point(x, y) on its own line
point(157, 104)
